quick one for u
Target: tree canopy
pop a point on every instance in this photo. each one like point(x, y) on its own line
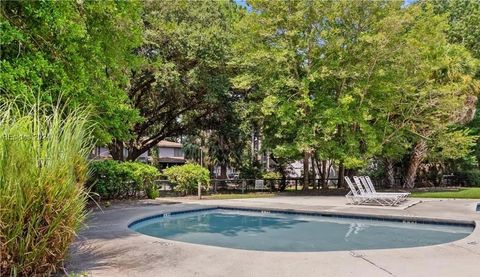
point(75, 52)
point(184, 76)
point(350, 82)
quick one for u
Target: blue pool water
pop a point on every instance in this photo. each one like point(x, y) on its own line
point(267, 231)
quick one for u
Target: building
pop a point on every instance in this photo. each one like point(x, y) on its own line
point(165, 154)
point(170, 153)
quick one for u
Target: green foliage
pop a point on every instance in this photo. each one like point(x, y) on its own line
point(468, 193)
point(313, 102)
point(470, 177)
point(227, 140)
point(143, 177)
point(272, 175)
point(152, 191)
point(352, 80)
point(249, 169)
point(72, 50)
point(376, 170)
point(43, 168)
point(142, 174)
point(452, 145)
point(187, 177)
point(464, 28)
point(182, 85)
point(114, 179)
point(107, 179)
point(464, 21)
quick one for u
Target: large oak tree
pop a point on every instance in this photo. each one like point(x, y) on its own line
point(184, 74)
point(354, 79)
point(79, 52)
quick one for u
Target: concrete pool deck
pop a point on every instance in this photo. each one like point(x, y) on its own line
point(108, 248)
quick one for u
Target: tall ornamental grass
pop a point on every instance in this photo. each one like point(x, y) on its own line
point(43, 168)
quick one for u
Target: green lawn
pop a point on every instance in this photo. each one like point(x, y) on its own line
point(240, 196)
point(467, 193)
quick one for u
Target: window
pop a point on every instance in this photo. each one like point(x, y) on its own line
point(177, 152)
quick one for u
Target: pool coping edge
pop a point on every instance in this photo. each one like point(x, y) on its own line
point(339, 214)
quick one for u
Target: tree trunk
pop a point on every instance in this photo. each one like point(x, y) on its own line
point(136, 149)
point(389, 170)
point(223, 171)
point(267, 162)
point(306, 161)
point(283, 183)
point(314, 175)
point(416, 158)
point(211, 168)
point(324, 175)
point(116, 150)
point(133, 154)
point(437, 170)
point(252, 145)
point(341, 175)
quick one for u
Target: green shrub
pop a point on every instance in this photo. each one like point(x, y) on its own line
point(152, 191)
point(187, 177)
point(107, 179)
point(469, 177)
point(43, 168)
point(114, 179)
point(272, 175)
point(143, 177)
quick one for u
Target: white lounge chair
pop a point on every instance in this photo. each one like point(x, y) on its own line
point(379, 198)
point(368, 183)
point(354, 196)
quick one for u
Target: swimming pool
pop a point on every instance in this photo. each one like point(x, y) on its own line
point(295, 232)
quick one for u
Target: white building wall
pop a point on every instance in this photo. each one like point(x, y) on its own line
point(164, 152)
point(296, 170)
point(217, 170)
point(103, 152)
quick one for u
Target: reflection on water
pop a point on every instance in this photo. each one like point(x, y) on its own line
point(284, 232)
point(226, 224)
point(354, 229)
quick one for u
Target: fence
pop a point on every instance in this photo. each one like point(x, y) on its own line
point(293, 184)
point(246, 185)
point(449, 180)
point(289, 184)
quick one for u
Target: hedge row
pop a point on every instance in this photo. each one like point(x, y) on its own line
point(112, 179)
